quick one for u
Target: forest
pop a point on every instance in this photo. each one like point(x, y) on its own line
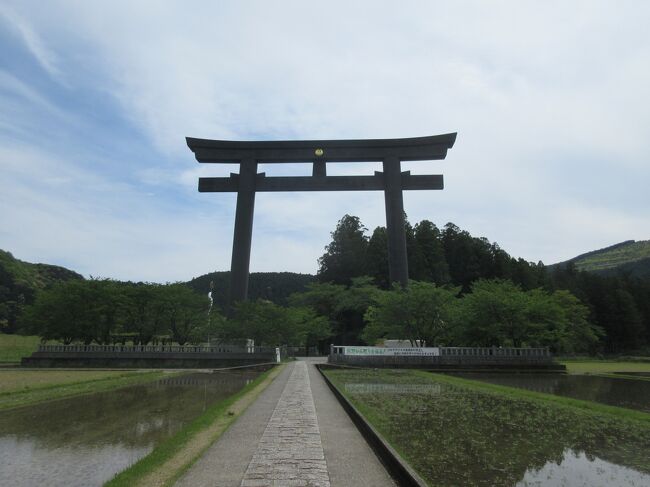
point(464, 291)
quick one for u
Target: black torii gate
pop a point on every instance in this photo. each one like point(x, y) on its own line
point(392, 181)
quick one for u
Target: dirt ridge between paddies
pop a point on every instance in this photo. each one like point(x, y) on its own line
point(174, 456)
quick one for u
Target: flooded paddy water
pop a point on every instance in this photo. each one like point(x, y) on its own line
point(86, 440)
point(615, 391)
point(456, 435)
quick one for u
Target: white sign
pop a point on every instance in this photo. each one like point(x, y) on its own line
point(393, 352)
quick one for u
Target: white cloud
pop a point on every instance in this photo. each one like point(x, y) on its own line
point(540, 94)
point(32, 41)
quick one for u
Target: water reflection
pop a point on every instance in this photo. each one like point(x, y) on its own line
point(627, 393)
point(86, 440)
point(576, 469)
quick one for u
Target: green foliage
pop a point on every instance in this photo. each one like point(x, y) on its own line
point(428, 262)
point(343, 307)
point(272, 286)
point(19, 281)
point(620, 305)
point(377, 257)
point(67, 311)
point(420, 313)
point(105, 312)
point(452, 256)
point(500, 313)
point(345, 256)
point(271, 325)
point(185, 313)
point(144, 313)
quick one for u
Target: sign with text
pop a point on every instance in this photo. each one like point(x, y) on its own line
point(393, 352)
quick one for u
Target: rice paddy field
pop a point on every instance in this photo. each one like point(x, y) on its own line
point(455, 431)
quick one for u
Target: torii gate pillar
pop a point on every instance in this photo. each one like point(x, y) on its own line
point(242, 240)
point(398, 267)
point(319, 152)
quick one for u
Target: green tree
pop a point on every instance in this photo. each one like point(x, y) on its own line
point(494, 314)
point(264, 322)
point(433, 263)
point(345, 256)
point(143, 312)
point(344, 307)
point(626, 330)
point(422, 313)
point(499, 313)
point(377, 257)
point(562, 322)
point(104, 301)
point(185, 312)
point(75, 310)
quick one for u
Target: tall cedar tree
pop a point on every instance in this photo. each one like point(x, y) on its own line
point(345, 256)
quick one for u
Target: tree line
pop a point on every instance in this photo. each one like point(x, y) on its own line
point(106, 312)
point(618, 307)
point(465, 291)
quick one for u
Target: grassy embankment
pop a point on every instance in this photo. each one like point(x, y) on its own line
point(172, 458)
point(607, 368)
point(15, 347)
point(24, 387)
point(460, 432)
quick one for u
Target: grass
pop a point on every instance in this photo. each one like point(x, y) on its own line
point(25, 387)
point(173, 457)
point(603, 367)
point(15, 347)
point(613, 257)
point(459, 432)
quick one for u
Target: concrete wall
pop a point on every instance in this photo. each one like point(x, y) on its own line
point(443, 363)
point(130, 359)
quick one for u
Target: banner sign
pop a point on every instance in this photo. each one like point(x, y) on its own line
point(393, 352)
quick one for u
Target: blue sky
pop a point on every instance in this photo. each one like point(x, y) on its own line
point(551, 102)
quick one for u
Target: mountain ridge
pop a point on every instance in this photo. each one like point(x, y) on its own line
point(631, 257)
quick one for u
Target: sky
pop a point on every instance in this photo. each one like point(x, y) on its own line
point(550, 100)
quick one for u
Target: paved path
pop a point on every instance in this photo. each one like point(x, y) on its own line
point(290, 451)
point(296, 434)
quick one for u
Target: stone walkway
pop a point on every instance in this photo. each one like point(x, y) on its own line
point(290, 451)
point(295, 434)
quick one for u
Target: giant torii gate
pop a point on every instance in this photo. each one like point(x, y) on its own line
point(392, 181)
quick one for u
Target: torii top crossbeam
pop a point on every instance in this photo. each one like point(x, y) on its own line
point(319, 152)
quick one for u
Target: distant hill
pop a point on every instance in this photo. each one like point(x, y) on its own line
point(274, 286)
point(19, 282)
point(629, 257)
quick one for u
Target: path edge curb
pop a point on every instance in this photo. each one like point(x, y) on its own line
point(397, 467)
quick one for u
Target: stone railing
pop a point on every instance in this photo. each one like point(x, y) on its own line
point(485, 352)
point(494, 352)
point(153, 349)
